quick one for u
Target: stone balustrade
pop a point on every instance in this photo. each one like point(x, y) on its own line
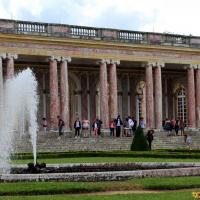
point(83, 32)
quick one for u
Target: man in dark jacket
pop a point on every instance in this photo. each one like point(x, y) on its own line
point(150, 137)
point(77, 127)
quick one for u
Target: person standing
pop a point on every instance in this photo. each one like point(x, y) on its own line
point(77, 127)
point(176, 127)
point(135, 125)
point(130, 124)
point(61, 125)
point(44, 124)
point(189, 141)
point(99, 123)
point(126, 127)
point(118, 123)
point(150, 137)
point(182, 126)
point(85, 127)
point(142, 123)
point(95, 128)
point(112, 127)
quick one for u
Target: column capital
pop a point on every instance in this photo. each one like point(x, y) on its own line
point(194, 66)
point(57, 58)
point(11, 55)
point(154, 64)
point(109, 61)
point(116, 62)
point(67, 59)
point(103, 61)
point(160, 64)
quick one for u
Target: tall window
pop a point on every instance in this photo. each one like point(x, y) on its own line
point(181, 105)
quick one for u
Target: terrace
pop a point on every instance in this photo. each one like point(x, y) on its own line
point(93, 33)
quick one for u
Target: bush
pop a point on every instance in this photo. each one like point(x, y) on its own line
point(139, 141)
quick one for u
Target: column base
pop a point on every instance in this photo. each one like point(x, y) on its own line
point(105, 132)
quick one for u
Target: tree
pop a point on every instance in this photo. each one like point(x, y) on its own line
point(139, 141)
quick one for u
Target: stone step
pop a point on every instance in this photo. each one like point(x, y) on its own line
point(50, 142)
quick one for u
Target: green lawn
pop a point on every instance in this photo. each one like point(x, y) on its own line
point(27, 188)
point(104, 159)
point(166, 188)
point(183, 195)
point(113, 156)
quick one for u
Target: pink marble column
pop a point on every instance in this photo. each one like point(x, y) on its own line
point(104, 113)
point(149, 97)
point(158, 95)
point(191, 98)
point(10, 65)
point(53, 93)
point(64, 90)
point(113, 90)
point(198, 96)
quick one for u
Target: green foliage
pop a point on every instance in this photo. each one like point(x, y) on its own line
point(172, 155)
point(79, 188)
point(139, 141)
point(186, 195)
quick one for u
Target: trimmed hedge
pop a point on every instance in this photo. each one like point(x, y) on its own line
point(139, 141)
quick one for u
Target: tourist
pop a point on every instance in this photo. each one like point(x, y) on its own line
point(97, 127)
point(168, 127)
point(130, 124)
point(44, 124)
point(176, 127)
point(149, 137)
point(118, 123)
point(182, 126)
point(61, 125)
point(188, 141)
point(112, 127)
point(135, 125)
point(85, 127)
point(126, 127)
point(99, 122)
point(142, 123)
point(77, 127)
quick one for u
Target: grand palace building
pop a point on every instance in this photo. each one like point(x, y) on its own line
point(87, 72)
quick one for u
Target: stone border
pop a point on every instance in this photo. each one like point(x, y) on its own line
point(174, 170)
point(101, 176)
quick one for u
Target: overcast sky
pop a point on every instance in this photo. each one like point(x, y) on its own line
point(174, 16)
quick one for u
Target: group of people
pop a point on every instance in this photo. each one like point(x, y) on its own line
point(174, 124)
point(177, 125)
point(129, 125)
point(116, 125)
point(61, 125)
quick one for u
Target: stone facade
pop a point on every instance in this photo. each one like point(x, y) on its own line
point(87, 72)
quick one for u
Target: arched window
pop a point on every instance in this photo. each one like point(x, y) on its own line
point(181, 111)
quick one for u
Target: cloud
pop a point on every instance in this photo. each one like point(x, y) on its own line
point(176, 16)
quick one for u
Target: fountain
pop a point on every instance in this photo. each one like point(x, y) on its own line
point(18, 103)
